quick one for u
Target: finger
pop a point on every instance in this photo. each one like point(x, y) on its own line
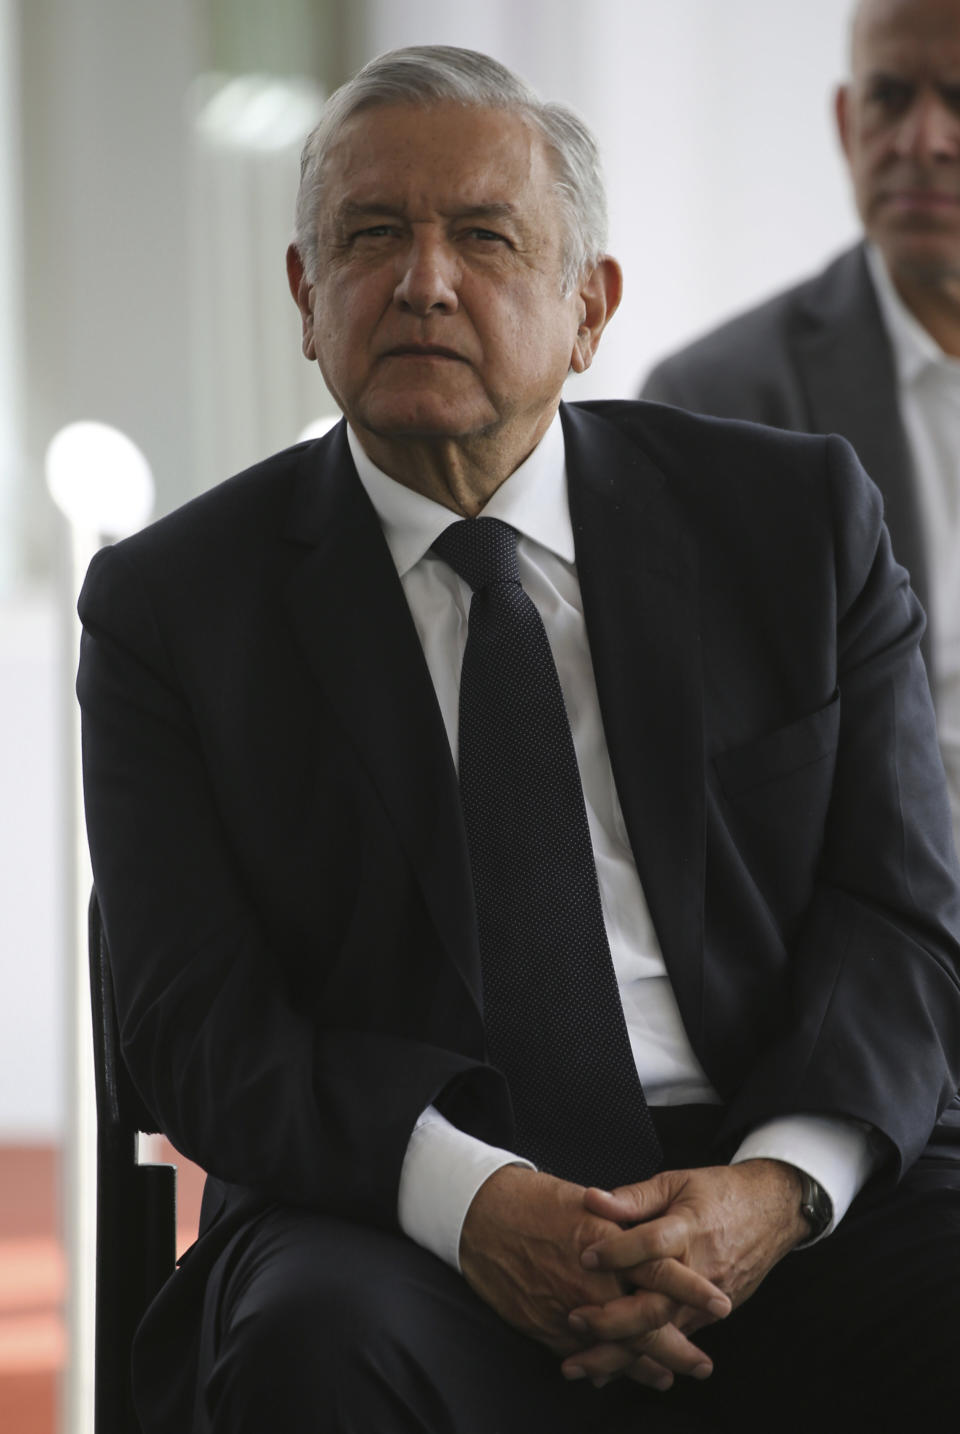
point(643, 1310)
point(629, 1203)
point(626, 1318)
point(660, 1239)
point(691, 1320)
point(684, 1286)
point(599, 1364)
point(648, 1372)
point(671, 1349)
point(666, 1348)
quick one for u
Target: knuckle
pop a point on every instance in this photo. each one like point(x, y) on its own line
point(661, 1311)
point(660, 1243)
point(644, 1343)
point(650, 1274)
point(650, 1312)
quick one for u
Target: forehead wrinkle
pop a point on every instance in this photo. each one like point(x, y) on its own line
point(488, 209)
point(511, 180)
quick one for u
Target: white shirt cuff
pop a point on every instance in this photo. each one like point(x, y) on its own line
point(442, 1171)
point(836, 1152)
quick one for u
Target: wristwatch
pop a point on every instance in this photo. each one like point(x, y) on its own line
point(815, 1206)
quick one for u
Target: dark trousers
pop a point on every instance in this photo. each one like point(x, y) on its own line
point(317, 1326)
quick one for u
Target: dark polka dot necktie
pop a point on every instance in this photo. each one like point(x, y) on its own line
point(552, 1010)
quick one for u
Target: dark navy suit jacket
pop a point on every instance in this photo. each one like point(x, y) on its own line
point(278, 848)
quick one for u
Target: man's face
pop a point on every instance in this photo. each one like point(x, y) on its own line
point(437, 309)
point(900, 127)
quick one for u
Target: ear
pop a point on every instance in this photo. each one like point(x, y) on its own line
point(302, 291)
point(841, 110)
point(599, 296)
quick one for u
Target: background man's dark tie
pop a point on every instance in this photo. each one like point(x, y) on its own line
point(552, 1009)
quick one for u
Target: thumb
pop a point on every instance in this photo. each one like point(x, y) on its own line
point(629, 1204)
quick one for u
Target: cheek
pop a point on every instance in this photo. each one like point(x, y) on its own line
point(343, 327)
point(875, 143)
point(531, 327)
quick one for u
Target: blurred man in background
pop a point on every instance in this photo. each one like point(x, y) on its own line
point(870, 348)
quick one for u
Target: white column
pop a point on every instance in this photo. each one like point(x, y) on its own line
point(11, 457)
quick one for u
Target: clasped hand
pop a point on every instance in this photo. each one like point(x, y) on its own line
point(615, 1282)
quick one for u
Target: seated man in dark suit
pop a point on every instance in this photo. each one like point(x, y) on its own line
point(524, 852)
point(870, 348)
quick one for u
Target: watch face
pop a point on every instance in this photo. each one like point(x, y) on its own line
point(816, 1206)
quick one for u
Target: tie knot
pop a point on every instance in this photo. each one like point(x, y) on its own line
point(481, 550)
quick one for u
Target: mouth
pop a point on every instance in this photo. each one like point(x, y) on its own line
point(424, 351)
point(933, 200)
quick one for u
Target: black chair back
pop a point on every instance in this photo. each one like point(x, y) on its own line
point(136, 1205)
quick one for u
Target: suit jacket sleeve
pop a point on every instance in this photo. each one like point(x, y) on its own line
point(871, 1024)
point(266, 1077)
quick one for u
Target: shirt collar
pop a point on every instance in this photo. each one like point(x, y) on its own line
point(533, 500)
point(914, 349)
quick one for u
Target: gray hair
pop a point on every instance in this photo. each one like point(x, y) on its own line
point(430, 74)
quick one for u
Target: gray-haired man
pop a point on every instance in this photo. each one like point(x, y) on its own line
point(497, 779)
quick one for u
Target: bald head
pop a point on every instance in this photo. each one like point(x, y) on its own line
point(922, 16)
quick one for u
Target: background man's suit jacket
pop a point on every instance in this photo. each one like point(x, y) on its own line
point(277, 841)
point(815, 359)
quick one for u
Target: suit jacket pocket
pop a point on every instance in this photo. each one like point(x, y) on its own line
point(780, 753)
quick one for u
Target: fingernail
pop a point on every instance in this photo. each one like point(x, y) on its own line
point(702, 1371)
point(720, 1308)
point(573, 1371)
point(577, 1322)
point(589, 1259)
point(601, 1380)
point(663, 1382)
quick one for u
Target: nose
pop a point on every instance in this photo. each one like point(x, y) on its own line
point(930, 130)
point(429, 276)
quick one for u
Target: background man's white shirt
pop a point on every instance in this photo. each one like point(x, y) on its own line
point(928, 385)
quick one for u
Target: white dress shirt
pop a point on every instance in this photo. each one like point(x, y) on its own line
point(444, 1167)
point(928, 384)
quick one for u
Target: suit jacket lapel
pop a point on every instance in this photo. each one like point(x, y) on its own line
point(847, 369)
point(638, 577)
point(346, 605)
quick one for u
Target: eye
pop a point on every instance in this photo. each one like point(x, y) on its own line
point(486, 237)
point(374, 231)
point(890, 95)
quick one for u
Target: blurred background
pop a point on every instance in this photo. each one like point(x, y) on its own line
point(148, 165)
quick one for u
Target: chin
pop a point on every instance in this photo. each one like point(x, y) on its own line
point(423, 418)
point(924, 262)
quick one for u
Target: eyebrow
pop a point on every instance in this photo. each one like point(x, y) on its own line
point(909, 81)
